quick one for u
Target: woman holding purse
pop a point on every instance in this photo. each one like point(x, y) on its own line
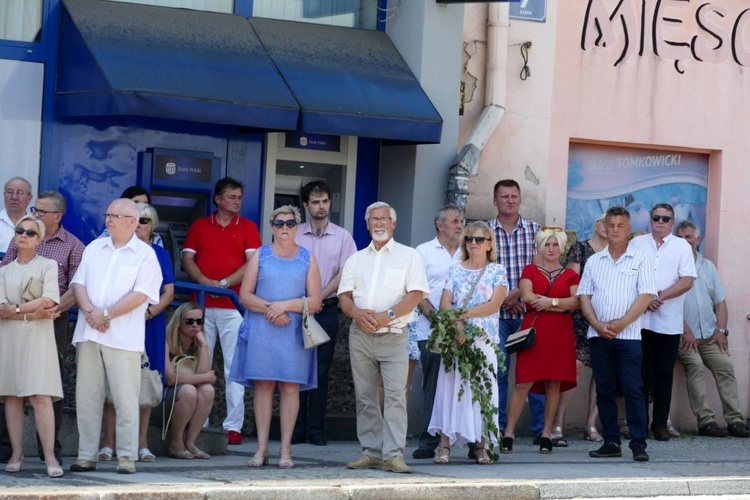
point(29, 368)
point(478, 285)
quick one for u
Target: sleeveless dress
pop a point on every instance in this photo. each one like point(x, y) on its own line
point(553, 356)
point(269, 352)
point(579, 253)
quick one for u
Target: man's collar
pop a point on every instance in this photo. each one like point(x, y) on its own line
point(234, 220)
point(389, 246)
point(132, 242)
point(60, 234)
point(306, 228)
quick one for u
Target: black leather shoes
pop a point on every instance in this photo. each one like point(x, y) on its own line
point(607, 450)
point(5, 456)
point(639, 454)
point(421, 453)
point(660, 433)
point(711, 429)
point(739, 430)
point(316, 437)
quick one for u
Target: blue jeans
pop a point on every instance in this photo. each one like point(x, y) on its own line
point(610, 360)
point(536, 401)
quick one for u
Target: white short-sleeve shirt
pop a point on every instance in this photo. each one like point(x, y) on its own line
point(672, 261)
point(109, 274)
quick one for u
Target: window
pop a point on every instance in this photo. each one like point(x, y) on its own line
point(350, 13)
point(21, 20)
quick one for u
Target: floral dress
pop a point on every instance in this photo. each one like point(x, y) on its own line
point(579, 253)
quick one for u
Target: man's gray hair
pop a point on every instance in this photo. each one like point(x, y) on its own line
point(687, 224)
point(379, 204)
point(59, 202)
point(443, 212)
point(18, 178)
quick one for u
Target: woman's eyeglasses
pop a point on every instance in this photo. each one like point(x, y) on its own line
point(281, 223)
point(554, 229)
point(29, 232)
point(144, 221)
point(193, 321)
point(475, 239)
point(662, 218)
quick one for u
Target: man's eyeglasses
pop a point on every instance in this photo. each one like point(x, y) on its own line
point(10, 193)
point(193, 321)
point(281, 223)
point(117, 216)
point(661, 218)
point(41, 213)
point(554, 229)
point(144, 220)
point(475, 239)
point(29, 232)
point(380, 220)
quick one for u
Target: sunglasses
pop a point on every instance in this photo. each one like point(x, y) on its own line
point(281, 223)
point(193, 321)
point(144, 221)
point(29, 232)
point(661, 218)
point(475, 239)
point(554, 229)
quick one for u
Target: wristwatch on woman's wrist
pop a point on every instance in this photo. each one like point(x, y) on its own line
point(555, 301)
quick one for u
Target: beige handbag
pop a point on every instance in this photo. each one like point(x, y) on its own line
point(312, 332)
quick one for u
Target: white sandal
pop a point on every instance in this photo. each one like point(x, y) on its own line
point(145, 455)
point(105, 454)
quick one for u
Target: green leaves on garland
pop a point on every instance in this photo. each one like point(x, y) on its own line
point(472, 365)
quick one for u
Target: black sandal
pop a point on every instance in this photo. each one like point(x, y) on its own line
point(545, 446)
point(507, 446)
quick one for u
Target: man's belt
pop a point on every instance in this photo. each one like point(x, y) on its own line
point(330, 301)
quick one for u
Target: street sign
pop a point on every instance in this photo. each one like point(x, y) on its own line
point(529, 10)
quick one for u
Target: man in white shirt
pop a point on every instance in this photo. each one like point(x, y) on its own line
point(616, 287)
point(439, 254)
point(17, 193)
point(119, 276)
point(379, 289)
point(673, 263)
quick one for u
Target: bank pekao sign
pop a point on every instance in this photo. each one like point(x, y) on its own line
point(683, 31)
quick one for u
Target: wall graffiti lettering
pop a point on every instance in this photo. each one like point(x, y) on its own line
point(684, 31)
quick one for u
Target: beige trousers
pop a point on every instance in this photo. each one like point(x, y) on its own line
point(381, 435)
point(97, 364)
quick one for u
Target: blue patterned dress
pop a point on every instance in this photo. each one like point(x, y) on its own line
point(269, 352)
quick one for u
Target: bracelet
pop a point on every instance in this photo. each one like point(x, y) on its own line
point(150, 314)
point(24, 318)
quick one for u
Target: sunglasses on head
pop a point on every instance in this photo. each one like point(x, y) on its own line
point(554, 229)
point(662, 218)
point(144, 220)
point(29, 232)
point(281, 223)
point(193, 321)
point(475, 239)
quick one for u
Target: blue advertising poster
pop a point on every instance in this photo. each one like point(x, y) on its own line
point(600, 177)
point(529, 10)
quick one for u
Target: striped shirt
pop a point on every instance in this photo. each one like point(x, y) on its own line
point(614, 286)
point(514, 252)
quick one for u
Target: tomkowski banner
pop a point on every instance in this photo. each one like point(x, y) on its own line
point(600, 177)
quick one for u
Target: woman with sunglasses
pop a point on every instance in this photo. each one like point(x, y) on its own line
point(156, 321)
point(477, 284)
point(270, 350)
point(29, 368)
point(189, 381)
point(549, 366)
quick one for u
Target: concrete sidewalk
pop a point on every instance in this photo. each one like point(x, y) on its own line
point(689, 465)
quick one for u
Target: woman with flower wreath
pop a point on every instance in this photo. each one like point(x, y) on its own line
point(476, 286)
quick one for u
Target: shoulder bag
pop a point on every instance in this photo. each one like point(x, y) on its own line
point(523, 339)
point(312, 332)
point(151, 386)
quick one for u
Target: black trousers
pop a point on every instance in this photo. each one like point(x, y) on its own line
point(657, 369)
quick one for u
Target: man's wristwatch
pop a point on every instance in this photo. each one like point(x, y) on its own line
point(223, 283)
point(18, 308)
point(391, 313)
point(723, 330)
point(106, 316)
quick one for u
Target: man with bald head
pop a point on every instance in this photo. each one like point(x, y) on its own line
point(118, 278)
point(17, 196)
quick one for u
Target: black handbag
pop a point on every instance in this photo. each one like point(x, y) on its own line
point(523, 339)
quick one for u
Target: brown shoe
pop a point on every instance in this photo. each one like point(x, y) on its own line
point(366, 462)
point(396, 464)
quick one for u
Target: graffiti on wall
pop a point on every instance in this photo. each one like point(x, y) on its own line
point(683, 31)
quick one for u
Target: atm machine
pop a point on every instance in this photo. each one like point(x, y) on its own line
point(181, 184)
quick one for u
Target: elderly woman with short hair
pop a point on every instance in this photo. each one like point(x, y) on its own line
point(29, 369)
point(549, 366)
point(270, 349)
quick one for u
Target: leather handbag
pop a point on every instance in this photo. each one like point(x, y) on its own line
point(312, 332)
point(522, 339)
point(32, 290)
point(151, 385)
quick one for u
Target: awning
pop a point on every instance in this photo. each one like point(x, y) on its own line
point(349, 81)
point(126, 59)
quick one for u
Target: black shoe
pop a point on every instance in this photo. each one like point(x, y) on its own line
point(639, 454)
point(423, 453)
point(738, 430)
point(316, 437)
point(537, 440)
point(5, 456)
point(298, 437)
point(471, 454)
point(607, 450)
point(660, 433)
point(711, 429)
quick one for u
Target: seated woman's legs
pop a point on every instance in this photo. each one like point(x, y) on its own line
point(183, 411)
point(203, 404)
point(517, 402)
point(14, 421)
point(44, 418)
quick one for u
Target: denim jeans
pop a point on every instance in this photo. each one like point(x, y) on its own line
point(536, 401)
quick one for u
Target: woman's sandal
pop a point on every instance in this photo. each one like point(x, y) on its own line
point(507, 446)
point(145, 455)
point(285, 462)
point(591, 434)
point(624, 430)
point(181, 455)
point(545, 446)
point(260, 458)
point(200, 454)
point(558, 439)
point(443, 458)
point(105, 454)
point(481, 454)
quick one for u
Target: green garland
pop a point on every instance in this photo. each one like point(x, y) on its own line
point(472, 365)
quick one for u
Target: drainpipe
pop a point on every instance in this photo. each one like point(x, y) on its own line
point(466, 163)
